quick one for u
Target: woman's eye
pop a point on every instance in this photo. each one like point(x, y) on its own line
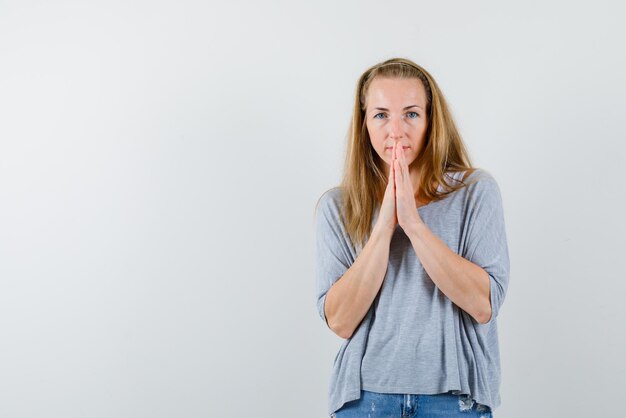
point(412, 115)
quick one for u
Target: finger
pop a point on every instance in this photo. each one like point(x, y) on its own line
point(403, 156)
point(392, 183)
point(391, 173)
point(399, 162)
point(398, 175)
point(393, 154)
point(398, 159)
point(404, 160)
point(405, 166)
point(393, 178)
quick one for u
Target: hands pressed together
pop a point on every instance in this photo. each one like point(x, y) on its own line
point(398, 206)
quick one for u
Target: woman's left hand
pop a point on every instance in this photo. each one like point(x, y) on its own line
point(406, 210)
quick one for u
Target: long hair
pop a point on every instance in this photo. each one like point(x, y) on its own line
point(364, 180)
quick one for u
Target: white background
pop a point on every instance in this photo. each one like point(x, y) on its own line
point(160, 163)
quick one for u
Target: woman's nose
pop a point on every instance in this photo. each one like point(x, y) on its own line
point(395, 128)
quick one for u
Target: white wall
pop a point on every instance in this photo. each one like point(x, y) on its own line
point(160, 163)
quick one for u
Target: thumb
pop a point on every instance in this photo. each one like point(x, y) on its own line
point(391, 183)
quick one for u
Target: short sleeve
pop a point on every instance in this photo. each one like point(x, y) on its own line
point(485, 240)
point(333, 253)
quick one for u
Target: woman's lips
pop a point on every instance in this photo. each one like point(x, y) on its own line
point(402, 147)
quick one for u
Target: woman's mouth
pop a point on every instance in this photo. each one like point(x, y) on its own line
point(403, 147)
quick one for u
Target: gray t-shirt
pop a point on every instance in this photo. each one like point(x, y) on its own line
point(413, 339)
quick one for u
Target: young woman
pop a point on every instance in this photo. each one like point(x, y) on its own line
point(412, 262)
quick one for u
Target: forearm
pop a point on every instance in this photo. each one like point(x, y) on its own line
point(350, 297)
point(463, 282)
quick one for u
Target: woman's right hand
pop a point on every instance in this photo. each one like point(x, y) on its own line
point(387, 218)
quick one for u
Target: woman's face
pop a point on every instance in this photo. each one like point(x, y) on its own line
point(395, 113)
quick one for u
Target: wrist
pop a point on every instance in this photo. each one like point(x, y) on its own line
point(382, 232)
point(415, 230)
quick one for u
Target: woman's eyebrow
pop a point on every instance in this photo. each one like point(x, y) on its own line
point(408, 107)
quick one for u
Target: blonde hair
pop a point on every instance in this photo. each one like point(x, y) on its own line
point(364, 180)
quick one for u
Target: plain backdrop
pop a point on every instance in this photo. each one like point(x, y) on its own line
point(160, 162)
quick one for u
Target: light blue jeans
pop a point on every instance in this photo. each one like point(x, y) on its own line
point(384, 405)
